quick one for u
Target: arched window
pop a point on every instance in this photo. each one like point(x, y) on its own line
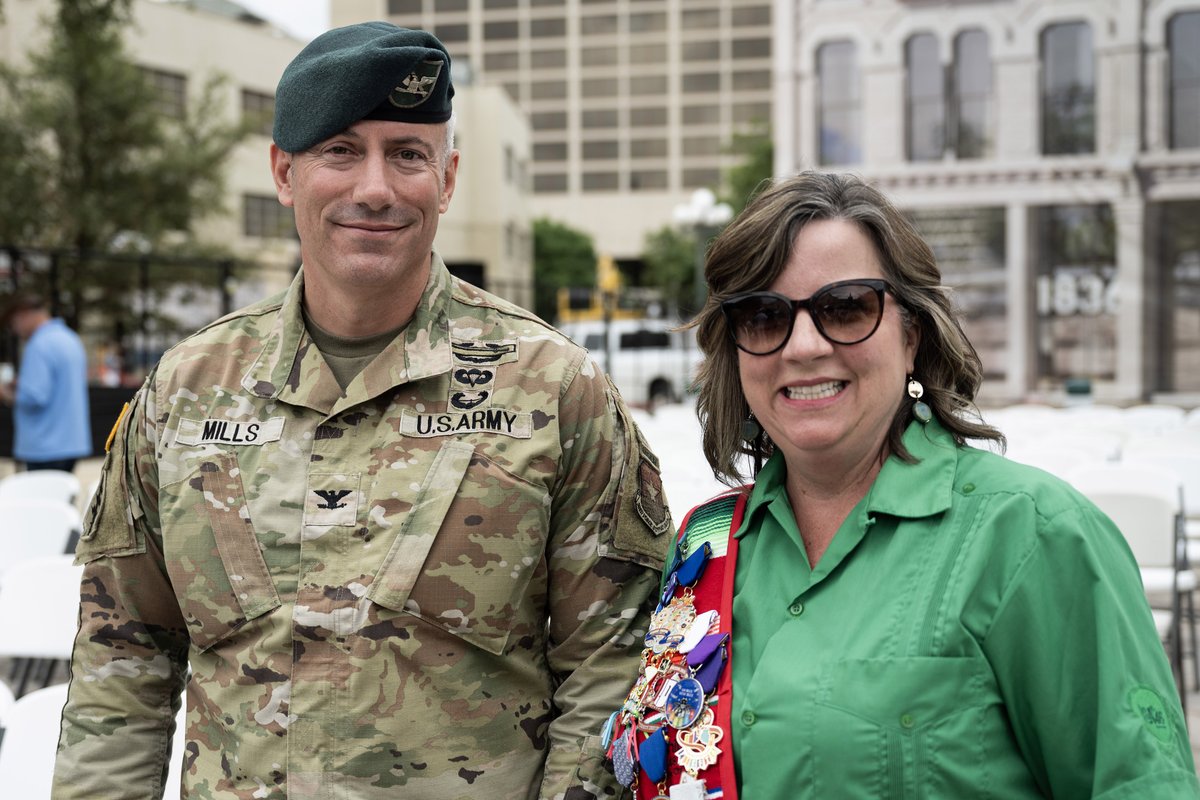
point(838, 103)
point(1068, 90)
point(926, 95)
point(1183, 42)
point(971, 103)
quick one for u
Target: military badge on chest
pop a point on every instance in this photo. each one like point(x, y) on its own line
point(469, 403)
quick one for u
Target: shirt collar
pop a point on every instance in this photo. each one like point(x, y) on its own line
point(900, 489)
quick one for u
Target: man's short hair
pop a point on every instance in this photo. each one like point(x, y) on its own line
point(22, 301)
point(372, 70)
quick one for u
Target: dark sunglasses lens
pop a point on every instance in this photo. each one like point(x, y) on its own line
point(848, 313)
point(760, 323)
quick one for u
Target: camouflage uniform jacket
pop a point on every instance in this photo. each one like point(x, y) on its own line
point(433, 585)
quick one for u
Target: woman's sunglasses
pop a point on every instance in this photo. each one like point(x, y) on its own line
point(846, 312)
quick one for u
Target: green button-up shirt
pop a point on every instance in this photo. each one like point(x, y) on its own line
point(976, 629)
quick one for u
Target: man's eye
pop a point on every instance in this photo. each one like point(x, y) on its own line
point(411, 155)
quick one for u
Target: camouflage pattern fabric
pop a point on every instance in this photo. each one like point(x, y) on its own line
point(434, 585)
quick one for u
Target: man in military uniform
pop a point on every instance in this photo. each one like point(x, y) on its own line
point(396, 536)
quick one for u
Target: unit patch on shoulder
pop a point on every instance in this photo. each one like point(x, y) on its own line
point(1152, 711)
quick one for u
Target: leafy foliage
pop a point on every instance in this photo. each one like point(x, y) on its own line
point(745, 179)
point(562, 257)
point(93, 166)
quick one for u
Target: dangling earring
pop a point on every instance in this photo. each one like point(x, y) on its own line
point(920, 408)
point(751, 430)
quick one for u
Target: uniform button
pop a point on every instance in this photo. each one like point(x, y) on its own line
point(907, 721)
point(748, 718)
point(796, 608)
point(968, 488)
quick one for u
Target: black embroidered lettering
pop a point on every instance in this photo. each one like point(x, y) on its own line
point(210, 429)
point(509, 419)
point(444, 423)
point(478, 419)
point(494, 419)
point(235, 434)
point(252, 431)
point(463, 422)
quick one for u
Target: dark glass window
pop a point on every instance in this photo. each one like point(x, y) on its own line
point(171, 89)
point(552, 182)
point(600, 181)
point(972, 101)
point(1176, 306)
point(541, 59)
point(453, 33)
point(838, 110)
point(645, 180)
point(264, 217)
point(751, 48)
point(601, 150)
point(1068, 90)
point(925, 90)
point(1183, 41)
point(259, 107)
point(404, 6)
point(555, 26)
point(503, 29)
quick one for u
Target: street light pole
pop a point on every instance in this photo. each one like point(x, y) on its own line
point(702, 214)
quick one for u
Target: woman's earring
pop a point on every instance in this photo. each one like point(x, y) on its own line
point(920, 408)
point(751, 430)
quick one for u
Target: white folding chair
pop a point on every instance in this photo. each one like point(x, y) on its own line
point(6, 701)
point(35, 528)
point(30, 742)
point(39, 614)
point(1144, 503)
point(1153, 418)
point(40, 484)
point(1058, 461)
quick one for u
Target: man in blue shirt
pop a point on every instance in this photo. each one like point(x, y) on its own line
point(50, 398)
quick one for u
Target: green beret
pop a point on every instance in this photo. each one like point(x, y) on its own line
point(373, 70)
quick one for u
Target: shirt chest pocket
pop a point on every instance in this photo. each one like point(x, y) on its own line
point(468, 550)
point(213, 557)
point(907, 727)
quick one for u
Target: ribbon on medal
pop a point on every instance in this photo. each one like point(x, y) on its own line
point(690, 570)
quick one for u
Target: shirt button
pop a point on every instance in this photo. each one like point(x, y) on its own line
point(748, 718)
point(968, 488)
point(796, 608)
point(907, 721)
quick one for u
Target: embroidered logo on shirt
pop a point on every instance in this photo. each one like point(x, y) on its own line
point(224, 431)
point(1149, 707)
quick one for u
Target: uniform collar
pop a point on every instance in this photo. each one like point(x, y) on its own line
point(900, 489)
point(291, 368)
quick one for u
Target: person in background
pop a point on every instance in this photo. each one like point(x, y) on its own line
point(886, 611)
point(51, 422)
point(397, 536)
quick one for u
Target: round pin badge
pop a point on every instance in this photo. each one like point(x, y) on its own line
point(684, 704)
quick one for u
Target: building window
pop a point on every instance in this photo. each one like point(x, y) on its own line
point(548, 90)
point(925, 91)
point(551, 182)
point(1183, 41)
point(598, 56)
point(549, 120)
point(704, 19)
point(171, 91)
point(702, 50)
point(597, 26)
point(550, 151)
point(264, 217)
point(647, 23)
point(695, 178)
point(258, 108)
point(403, 7)
point(453, 33)
point(503, 29)
point(702, 82)
point(554, 26)
point(600, 87)
point(753, 15)
point(647, 54)
point(600, 118)
point(751, 48)
point(548, 59)
point(1177, 303)
point(648, 84)
point(600, 182)
point(1076, 294)
point(601, 151)
point(648, 148)
point(647, 117)
point(971, 99)
point(646, 180)
point(1068, 90)
point(702, 115)
point(701, 146)
point(838, 103)
point(969, 245)
point(501, 61)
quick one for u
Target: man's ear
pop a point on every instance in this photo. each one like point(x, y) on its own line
point(449, 178)
point(281, 171)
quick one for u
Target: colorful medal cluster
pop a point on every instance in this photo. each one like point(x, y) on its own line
point(669, 712)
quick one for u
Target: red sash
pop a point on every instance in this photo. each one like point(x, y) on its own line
point(711, 521)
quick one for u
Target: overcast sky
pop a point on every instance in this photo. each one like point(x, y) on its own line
point(304, 19)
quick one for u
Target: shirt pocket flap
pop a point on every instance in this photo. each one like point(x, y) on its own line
point(906, 693)
point(403, 563)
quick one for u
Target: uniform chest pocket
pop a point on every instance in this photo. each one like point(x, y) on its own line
point(896, 727)
point(468, 550)
point(213, 557)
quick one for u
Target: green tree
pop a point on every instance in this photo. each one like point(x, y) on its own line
point(563, 257)
point(669, 255)
point(94, 165)
point(744, 179)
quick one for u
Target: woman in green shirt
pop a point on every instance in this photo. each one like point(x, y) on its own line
point(910, 616)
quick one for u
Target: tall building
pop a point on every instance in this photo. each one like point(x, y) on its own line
point(1048, 149)
point(631, 102)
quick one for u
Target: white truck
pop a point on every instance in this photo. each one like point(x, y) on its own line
point(648, 361)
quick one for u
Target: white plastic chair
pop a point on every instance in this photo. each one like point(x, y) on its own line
point(39, 614)
point(30, 742)
point(6, 701)
point(35, 528)
point(1144, 502)
point(40, 484)
point(1153, 418)
point(1057, 461)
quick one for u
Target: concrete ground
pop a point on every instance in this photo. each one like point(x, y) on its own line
point(88, 472)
